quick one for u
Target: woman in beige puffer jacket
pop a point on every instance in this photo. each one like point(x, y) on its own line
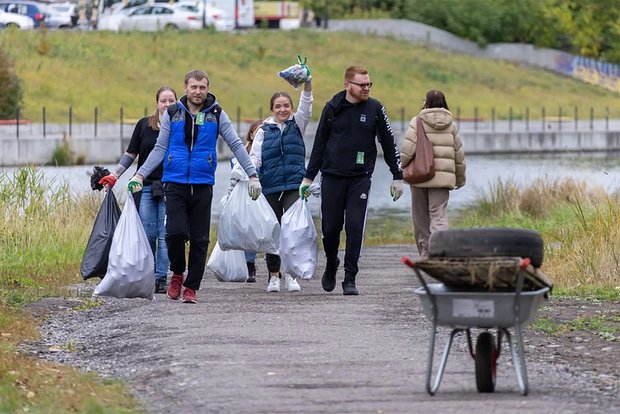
point(429, 200)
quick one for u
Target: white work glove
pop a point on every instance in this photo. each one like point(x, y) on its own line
point(254, 188)
point(303, 188)
point(396, 189)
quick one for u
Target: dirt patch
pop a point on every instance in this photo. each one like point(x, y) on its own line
point(588, 338)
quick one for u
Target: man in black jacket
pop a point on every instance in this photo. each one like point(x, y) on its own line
point(345, 152)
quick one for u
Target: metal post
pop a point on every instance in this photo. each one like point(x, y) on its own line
point(96, 116)
point(591, 118)
point(121, 120)
point(145, 111)
point(458, 115)
point(576, 118)
point(17, 122)
point(527, 118)
point(260, 113)
point(43, 116)
point(606, 119)
point(402, 119)
point(542, 113)
point(493, 119)
point(510, 118)
point(70, 120)
point(476, 118)
point(238, 119)
point(560, 118)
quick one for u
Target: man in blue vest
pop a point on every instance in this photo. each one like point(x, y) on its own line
point(187, 146)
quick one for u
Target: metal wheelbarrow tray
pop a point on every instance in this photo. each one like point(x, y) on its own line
point(463, 306)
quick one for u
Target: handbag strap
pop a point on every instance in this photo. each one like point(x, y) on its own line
point(421, 133)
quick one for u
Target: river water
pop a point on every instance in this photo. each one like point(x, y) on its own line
point(482, 172)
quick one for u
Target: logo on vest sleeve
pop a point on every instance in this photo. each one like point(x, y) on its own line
point(363, 118)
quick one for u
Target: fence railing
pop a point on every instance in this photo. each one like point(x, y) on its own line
point(517, 119)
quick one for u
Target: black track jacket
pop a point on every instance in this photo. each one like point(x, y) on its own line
point(344, 144)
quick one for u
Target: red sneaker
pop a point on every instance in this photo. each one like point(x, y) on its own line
point(189, 296)
point(174, 288)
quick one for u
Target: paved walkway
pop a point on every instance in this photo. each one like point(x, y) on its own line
point(242, 350)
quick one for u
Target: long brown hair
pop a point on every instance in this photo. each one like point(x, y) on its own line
point(249, 137)
point(154, 119)
point(435, 99)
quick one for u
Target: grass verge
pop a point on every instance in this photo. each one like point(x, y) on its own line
point(42, 238)
point(74, 70)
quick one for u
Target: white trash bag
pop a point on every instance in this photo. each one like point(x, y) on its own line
point(298, 241)
point(248, 225)
point(228, 266)
point(131, 267)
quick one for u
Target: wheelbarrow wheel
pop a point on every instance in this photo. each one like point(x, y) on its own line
point(486, 362)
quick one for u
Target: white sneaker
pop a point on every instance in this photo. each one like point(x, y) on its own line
point(291, 284)
point(274, 284)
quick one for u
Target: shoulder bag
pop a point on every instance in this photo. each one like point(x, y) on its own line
point(422, 168)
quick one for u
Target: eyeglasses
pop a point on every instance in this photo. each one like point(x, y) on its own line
point(362, 85)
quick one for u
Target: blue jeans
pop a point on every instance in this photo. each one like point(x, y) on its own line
point(153, 216)
point(250, 257)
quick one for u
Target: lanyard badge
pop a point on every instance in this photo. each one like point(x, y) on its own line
point(200, 118)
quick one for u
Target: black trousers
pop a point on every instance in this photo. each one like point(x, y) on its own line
point(279, 202)
point(188, 217)
point(344, 201)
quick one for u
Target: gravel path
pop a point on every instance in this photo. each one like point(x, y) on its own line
point(242, 350)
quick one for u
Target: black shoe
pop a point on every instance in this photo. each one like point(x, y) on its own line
point(348, 288)
point(329, 276)
point(251, 272)
point(161, 285)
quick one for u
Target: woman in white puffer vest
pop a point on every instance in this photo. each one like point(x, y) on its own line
point(429, 200)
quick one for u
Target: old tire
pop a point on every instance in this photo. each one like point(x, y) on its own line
point(488, 242)
point(486, 362)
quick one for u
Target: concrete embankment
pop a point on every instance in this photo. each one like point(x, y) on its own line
point(34, 144)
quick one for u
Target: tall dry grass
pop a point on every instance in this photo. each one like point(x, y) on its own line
point(578, 221)
point(43, 232)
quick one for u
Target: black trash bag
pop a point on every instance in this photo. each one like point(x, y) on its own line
point(95, 259)
point(98, 173)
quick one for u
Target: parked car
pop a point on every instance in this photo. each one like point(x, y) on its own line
point(156, 17)
point(61, 15)
point(15, 20)
point(214, 17)
point(35, 10)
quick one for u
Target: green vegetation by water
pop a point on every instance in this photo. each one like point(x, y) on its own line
point(43, 234)
point(84, 70)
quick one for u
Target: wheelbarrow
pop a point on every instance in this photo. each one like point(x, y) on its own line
point(465, 307)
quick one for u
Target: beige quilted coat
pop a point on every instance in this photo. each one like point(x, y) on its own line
point(447, 148)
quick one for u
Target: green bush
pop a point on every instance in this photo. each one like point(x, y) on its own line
point(10, 85)
point(63, 155)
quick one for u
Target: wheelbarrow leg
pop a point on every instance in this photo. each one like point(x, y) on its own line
point(442, 364)
point(518, 358)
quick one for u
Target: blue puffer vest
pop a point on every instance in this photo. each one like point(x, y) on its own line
point(283, 158)
point(194, 162)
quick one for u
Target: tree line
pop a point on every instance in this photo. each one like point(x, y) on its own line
point(588, 28)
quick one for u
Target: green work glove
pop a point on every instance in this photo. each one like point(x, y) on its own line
point(396, 189)
point(303, 188)
point(254, 188)
point(135, 184)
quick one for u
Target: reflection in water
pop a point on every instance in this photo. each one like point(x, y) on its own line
point(482, 172)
